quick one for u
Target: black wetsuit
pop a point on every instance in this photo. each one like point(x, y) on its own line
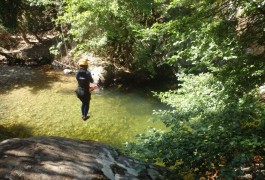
point(84, 79)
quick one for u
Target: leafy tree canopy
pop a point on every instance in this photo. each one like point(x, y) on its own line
point(114, 29)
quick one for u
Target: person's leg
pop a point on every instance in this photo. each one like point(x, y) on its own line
point(83, 109)
point(86, 108)
point(83, 106)
point(80, 95)
point(86, 105)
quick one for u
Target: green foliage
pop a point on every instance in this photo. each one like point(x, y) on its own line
point(28, 16)
point(115, 29)
point(55, 50)
point(8, 13)
point(209, 130)
point(217, 116)
point(42, 2)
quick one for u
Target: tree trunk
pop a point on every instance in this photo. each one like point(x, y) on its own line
point(24, 36)
point(36, 36)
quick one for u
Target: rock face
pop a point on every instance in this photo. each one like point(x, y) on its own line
point(60, 158)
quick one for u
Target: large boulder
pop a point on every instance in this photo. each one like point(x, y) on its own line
point(60, 158)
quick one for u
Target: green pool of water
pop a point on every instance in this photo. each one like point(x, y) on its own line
point(47, 106)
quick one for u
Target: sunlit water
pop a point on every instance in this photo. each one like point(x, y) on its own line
point(48, 107)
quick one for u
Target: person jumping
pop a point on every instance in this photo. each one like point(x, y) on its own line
point(84, 78)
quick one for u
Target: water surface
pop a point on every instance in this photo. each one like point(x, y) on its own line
point(46, 105)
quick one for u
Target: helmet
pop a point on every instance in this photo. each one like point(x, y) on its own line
point(83, 62)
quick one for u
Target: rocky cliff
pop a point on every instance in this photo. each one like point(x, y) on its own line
point(61, 158)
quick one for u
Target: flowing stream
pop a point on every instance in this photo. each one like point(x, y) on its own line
point(45, 105)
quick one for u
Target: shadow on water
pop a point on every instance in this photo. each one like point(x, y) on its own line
point(14, 131)
point(36, 78)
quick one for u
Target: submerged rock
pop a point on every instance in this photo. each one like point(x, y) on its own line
point(68, 71)
point(61, 158)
